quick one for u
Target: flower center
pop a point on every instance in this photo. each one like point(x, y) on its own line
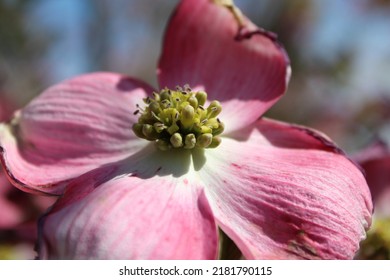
point(178, 119)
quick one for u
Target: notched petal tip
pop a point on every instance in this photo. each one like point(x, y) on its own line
point(246, 33)
point(246, 29)
point(255, 67)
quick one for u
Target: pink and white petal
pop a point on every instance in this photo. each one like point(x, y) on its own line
point(151, 213)
point(286, 192)
point(71, 128)
point(246, 69)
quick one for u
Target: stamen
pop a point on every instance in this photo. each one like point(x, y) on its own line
point(155, 116)
point(139, 109)
point(147, 100)
point(187, 87)
point(178, 119)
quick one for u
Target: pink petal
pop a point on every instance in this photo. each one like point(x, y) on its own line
point(71, 128)
point(152, 213)
point(10, 214)
point(246, 70)
point(375, 160)
point(286, 192)
point(376, 151)
point(18, 209)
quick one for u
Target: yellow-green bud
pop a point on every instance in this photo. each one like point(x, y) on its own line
point(214, 109)
point(155, 107)
point(165, 95)
point(219, 129)
point(137, 128)
point(187, 116)
point(190, 141)
point(149, 131)
point(162, 145)
point(215, 142)
point(176, 140)
point(202, 97)
point(193, 101)
point(204, 140)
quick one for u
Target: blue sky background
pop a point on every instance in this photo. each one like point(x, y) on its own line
point(338, 24)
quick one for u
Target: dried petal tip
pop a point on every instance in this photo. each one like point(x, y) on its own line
point(229, 4)
point(177, 119)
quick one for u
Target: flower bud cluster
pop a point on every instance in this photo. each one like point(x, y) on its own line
point(178, 119)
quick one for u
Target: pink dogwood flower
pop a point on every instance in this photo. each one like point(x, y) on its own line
point(156, 181)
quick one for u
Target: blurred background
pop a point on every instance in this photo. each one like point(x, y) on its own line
point(339, 51)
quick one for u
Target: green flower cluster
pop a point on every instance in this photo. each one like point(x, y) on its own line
point(178, 119)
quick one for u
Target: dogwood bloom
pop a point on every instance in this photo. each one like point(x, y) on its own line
point(153, 174)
